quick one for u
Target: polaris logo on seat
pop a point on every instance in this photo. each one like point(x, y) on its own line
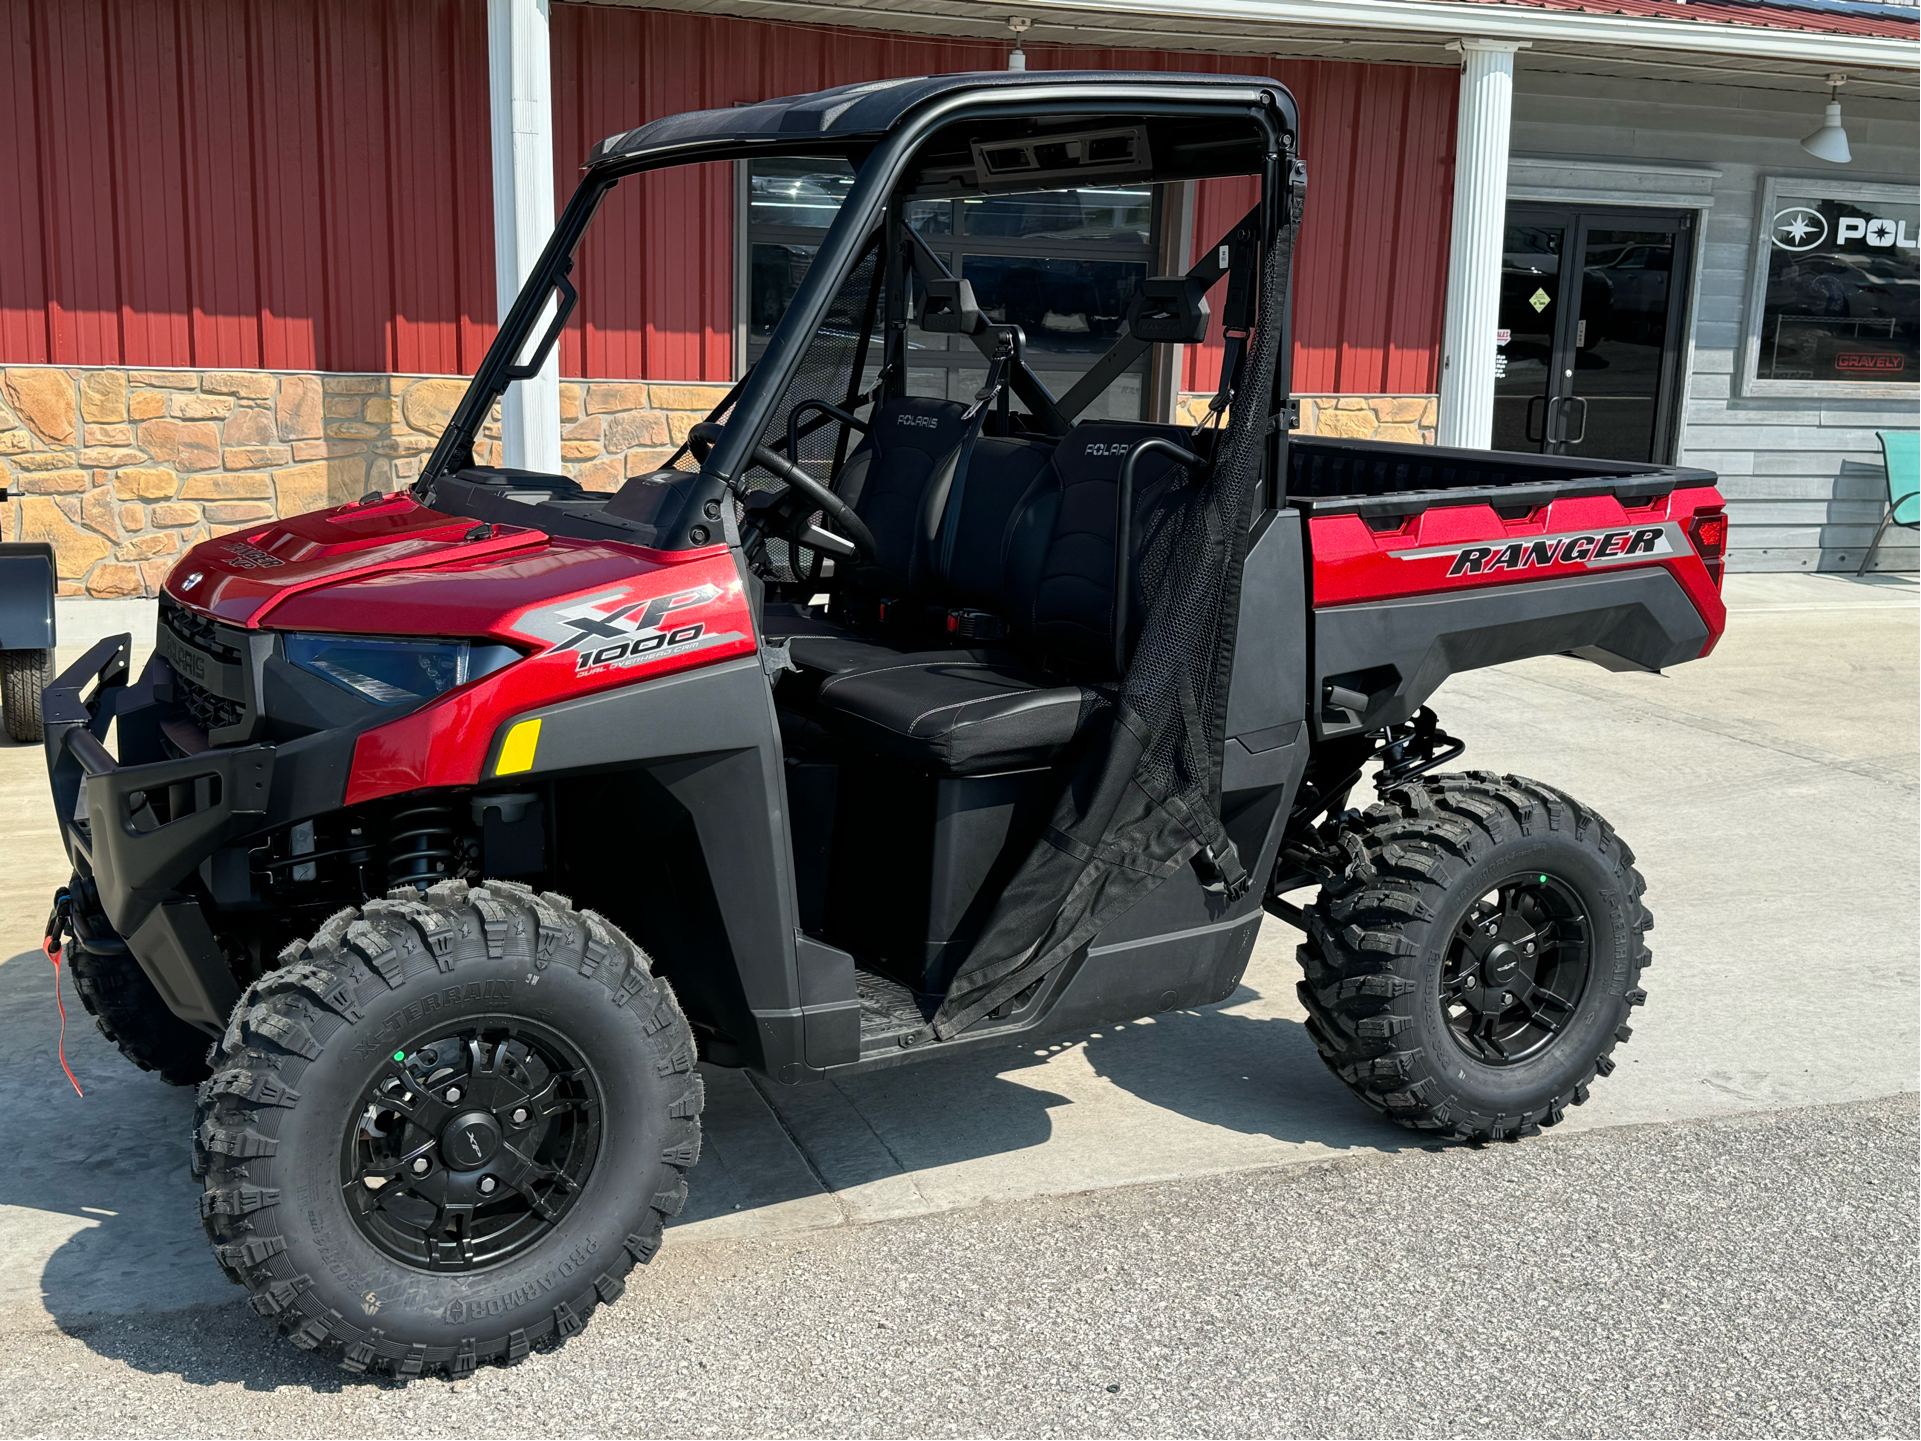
point(925, 422)
point(1590, 549)
point(1106, 447)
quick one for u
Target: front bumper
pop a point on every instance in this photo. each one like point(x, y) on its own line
point(139, 825)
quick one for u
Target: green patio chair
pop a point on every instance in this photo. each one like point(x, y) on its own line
point(1901, 454)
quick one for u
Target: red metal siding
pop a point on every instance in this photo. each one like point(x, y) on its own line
point(232, 183)
point(656, 297)
point(306, 184)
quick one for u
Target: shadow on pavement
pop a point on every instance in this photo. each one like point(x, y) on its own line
point(104, 1233)
point(1258, 1075)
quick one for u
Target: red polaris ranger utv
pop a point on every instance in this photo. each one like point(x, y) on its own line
point(875, 726)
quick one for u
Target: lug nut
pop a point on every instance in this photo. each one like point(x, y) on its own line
point(487, 1184)
point(453, 1092)
point(520, 1115)
point(420, 1165)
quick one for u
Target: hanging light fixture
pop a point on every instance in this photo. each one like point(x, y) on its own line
point(1017, 57)
point(1830, 142)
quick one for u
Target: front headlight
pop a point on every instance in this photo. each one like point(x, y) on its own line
point(392, 672)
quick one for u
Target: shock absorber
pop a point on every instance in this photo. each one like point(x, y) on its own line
point(420, 846)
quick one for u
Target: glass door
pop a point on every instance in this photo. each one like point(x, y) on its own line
point(1525, 357)
point(1591, 366)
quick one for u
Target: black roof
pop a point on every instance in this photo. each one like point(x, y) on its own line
point(862, 112)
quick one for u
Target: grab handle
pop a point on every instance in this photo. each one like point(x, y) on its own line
point(1124, 533)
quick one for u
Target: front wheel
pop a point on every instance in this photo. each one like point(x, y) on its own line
point(1472, 968)
point(444, 1131)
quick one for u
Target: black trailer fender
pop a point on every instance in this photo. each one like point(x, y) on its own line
point(26, 594)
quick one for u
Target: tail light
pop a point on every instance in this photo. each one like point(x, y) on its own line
point(1709, 532)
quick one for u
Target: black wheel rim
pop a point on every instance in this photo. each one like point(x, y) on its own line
point(467, 1148)
point(1517, 968)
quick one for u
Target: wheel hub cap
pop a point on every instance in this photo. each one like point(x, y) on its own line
point(1501, 964)
point(469, 1141)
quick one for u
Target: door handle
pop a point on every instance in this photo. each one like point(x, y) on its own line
point(1543, 400)
point(1567, 439)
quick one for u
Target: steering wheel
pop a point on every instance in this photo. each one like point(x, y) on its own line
point(701, 440)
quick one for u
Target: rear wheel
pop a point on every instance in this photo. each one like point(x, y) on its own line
point(446, 1129)
point(23, 675)
point(1472, 968)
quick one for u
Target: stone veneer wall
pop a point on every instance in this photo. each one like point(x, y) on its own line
point(1409, 419)
point(124, 469)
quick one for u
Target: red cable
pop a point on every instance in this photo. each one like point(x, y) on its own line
point(47, 950)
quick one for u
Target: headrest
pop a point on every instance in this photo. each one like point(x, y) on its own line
point(1169, 310)
point(950, 308)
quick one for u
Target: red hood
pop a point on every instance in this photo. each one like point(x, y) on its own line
point(244, 576)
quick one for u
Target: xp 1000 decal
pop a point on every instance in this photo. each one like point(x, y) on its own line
point(663, 620)
point(633, 630)
point(664, 616)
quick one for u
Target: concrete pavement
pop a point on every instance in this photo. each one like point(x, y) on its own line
point(1737, 1276)
point(1770, 793)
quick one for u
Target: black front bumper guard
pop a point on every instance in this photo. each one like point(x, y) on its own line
point(113, 838)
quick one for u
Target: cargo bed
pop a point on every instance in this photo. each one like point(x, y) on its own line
point(1426, 561)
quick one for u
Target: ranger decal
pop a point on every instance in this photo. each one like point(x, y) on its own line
point(1588, 548)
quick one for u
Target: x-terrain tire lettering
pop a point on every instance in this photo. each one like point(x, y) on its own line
point(446, 1128)
point(1472, 967)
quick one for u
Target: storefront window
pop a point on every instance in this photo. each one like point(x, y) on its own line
point(1838, 276)
point(1061, 264)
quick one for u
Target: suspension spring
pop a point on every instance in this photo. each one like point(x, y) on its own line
point(420, 846)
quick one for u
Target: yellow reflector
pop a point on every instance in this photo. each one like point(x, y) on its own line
point(517, 751)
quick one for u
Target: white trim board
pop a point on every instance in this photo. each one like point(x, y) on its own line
point(1573, 195)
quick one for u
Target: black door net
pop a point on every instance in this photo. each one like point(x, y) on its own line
point(1143, 798)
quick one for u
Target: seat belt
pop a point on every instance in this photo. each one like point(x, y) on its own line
point(1130, 348)
point(1240, 256)
point(994, 390)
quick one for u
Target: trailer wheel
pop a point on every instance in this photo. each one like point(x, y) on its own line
point(1472, 969)
point(445, 1130)
point(23, 675)
point(130, 1013)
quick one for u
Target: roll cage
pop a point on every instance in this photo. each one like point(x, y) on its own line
point(904, 139)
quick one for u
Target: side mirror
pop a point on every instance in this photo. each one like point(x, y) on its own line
point(950, 308)
point(1169, 310)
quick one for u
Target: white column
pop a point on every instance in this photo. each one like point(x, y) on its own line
point(520, 95)
point(1474, 255)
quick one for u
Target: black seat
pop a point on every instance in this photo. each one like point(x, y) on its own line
point(958, 552)
point(963, 712)
point(970, 712)
point(897, 481)
point(1062, 604)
